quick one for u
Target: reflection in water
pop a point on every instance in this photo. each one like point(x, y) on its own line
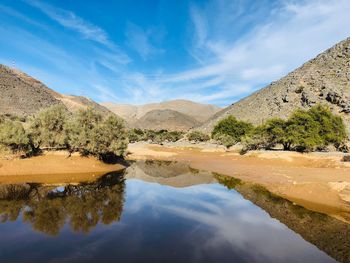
point(171, 213)
point(48, 208)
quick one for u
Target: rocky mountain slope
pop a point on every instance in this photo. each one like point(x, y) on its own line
point(23, 95)
point(131, 113)
point(166, 119)
point(324, 79)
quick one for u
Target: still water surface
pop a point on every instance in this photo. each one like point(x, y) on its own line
point(163, 212)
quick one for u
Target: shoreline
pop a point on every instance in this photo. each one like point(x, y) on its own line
point(316, 181)
point(54, 168)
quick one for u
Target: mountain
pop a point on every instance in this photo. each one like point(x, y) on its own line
point(24, 95)
point(166, 119)
point(324, 79)
point(131, 113)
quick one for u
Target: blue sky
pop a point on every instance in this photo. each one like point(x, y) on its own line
point(149, 51)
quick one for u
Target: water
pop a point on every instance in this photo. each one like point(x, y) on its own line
point(163, 212)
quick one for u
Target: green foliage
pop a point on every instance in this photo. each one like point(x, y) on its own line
point(224, 139)
point(88, 133)
point(303, 131)
point(232, 127)
point(136, 135)
point(197, 136)
point(14, 137)
point(331, 127)
point(48, 127)
point(159, 137)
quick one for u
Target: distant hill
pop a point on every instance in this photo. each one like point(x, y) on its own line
point(133, 113)
point(166, 119)
point(324, 79)
point(198, 111)
point(24, 95)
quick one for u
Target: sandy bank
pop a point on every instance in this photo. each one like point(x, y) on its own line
point(317, 181)
point(54, 167)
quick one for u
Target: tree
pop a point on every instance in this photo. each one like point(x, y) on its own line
point(332, 129)
point(14, 137)
point(232, 127)
point(198, 136)
point(225, 139)
point(89, 133)
point(48, 127)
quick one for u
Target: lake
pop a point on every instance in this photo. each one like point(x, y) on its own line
point(163, 212)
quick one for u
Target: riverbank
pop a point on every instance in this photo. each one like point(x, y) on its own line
point(317, 181)
point(54, 168)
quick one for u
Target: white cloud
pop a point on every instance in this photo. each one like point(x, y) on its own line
point(140, 40)
point(86, 29)
point(292, 34)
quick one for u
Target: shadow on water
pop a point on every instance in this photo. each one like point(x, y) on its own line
point(48, 208)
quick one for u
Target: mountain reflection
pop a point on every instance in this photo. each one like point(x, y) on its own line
point(49, 208)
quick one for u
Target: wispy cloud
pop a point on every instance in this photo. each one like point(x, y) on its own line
point(141, 41)
point(291, 34)
point(70, 20)
point(85, 28)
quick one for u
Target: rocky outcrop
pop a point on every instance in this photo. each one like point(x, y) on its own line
point(22, 95)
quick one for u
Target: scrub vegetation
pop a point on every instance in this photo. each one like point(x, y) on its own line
point(304, 131)
point(54, 128)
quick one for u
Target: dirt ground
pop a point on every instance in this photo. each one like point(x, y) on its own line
point(54, 168)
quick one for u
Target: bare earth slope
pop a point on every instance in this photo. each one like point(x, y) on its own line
point(168, 120)
point(23, 95)
point(131, 113)
point(324, 79)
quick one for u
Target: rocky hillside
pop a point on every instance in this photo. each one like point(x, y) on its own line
point(131, 113)
point(324, 79)
point(166, 119)
point(23, 95)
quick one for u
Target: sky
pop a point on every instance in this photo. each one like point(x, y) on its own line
point(142, 51)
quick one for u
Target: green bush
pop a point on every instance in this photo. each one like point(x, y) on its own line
point(48, 127)
point(224, 139)
point(304, 131)
point(88, 133)
point(14, 137)
point(232, 127)
point(136, 135)
point(159, 137)
point(197, 136)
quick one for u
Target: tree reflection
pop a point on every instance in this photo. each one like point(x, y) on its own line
point(47, 209)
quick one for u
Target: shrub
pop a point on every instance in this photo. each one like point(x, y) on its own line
point(225, 140)
point(136, 135)
point(303, 131)
point(230, 126)
point(197, 136)
point(88, 133)
point(14, 137)
point(48, 127)
point(331, 127)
